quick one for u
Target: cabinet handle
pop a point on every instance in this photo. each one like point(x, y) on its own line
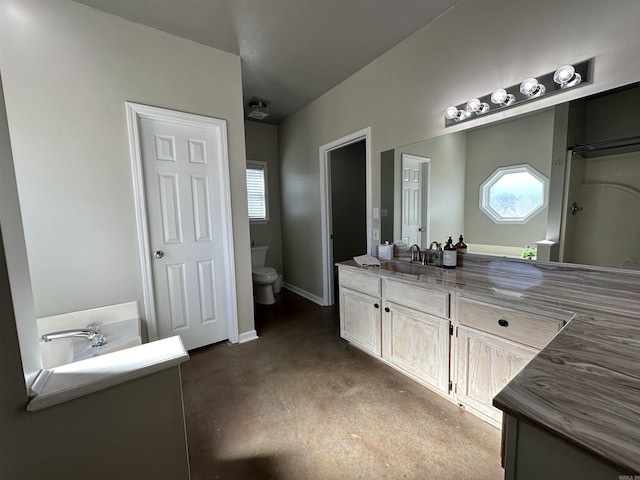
point(376, 305)
point(503, 323)
point(387, 309)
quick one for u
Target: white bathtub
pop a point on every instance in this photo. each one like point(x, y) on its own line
point(120, 324)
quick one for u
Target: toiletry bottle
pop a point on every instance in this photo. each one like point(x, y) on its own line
point(449, 255)
point(461, 247)
point(438, 254)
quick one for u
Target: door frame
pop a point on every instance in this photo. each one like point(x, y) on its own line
point(218, 127)
point(325, 204)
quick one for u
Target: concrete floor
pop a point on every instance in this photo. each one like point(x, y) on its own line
point(301, 403)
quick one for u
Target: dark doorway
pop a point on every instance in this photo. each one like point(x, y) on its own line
point(348, 203)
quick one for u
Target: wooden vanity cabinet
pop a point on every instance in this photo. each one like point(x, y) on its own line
point(360, 311)
point(418, 344)
point(485, 364)
point(493, 343)
point(406, 325)
point(415, 339)
point(415, 332)
point(468, 355)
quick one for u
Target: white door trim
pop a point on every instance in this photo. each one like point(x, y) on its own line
point(325, 204)
point(219, 128)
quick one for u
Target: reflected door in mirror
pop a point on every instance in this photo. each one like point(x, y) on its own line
point(415, 181)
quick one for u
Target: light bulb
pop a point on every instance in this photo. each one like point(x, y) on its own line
point(502, 98)
point(451, 113)
point(566, 76)
point(474, 105)
point(531, 88)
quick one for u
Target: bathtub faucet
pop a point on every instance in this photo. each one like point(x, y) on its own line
point(91, 333)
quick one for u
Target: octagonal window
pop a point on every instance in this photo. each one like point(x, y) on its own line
point(514, 194)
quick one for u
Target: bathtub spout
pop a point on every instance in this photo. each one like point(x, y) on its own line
point(91, 333)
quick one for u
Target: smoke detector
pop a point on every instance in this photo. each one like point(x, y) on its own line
point(258, 110)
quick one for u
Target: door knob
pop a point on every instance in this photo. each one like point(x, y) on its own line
point(158, 254)
point(575, 208)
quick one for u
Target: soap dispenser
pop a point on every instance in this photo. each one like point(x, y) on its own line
point(449, 255)
point(461, 247)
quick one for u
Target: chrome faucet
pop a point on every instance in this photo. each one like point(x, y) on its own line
point(91, 333)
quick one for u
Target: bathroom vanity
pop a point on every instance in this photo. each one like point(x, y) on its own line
point(528, 337)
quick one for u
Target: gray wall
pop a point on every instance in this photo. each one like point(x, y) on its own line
point(121, 437)
point(262, 144)
point(528, 140)
point(67, 76)
point(18, 322)
point(348, 201)
point(402, 94)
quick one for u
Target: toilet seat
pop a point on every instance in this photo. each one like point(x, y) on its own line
point(264, 275)
point(262, 272)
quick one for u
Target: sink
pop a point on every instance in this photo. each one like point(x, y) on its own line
point(404, 268)
point(119, 335)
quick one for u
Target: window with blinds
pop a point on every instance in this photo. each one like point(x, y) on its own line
point(257, 191)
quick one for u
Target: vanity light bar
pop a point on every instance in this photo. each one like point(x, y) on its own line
point(563, 78)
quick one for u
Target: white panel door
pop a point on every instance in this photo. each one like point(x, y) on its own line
point(413, 200)
point(181, 181)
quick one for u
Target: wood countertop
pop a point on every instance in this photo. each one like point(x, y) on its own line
point(584, 386)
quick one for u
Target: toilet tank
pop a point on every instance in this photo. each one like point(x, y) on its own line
point(259, 255)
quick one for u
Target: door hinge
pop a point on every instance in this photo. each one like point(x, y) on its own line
point(450, 386)
point(450, 329)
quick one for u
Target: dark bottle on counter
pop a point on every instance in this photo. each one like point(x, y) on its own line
point(461, 247)
point(449, 255)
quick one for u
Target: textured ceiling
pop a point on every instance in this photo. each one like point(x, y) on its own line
point(292, 51)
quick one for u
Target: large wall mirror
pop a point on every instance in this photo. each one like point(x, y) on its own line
point(584, 160)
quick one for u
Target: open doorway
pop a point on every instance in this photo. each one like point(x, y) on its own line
point(347, 166)
point(345, 185)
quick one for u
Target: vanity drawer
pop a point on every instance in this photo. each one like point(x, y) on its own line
point(533, 329)
point(426, 300)
point(360, 282)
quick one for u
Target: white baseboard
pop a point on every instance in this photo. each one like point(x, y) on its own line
point(245, 337)
point(304, 293)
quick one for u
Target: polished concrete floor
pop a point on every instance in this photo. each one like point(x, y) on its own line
point(300, 403)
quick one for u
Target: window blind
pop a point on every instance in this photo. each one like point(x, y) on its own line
point(256, 193)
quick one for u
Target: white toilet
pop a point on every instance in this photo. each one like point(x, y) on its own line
point(263, 277)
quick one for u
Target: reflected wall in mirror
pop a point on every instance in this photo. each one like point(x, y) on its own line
point(588, 148)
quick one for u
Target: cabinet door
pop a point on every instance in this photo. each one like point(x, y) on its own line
point(360, 320)
point(417, 343)
point(485, 364)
